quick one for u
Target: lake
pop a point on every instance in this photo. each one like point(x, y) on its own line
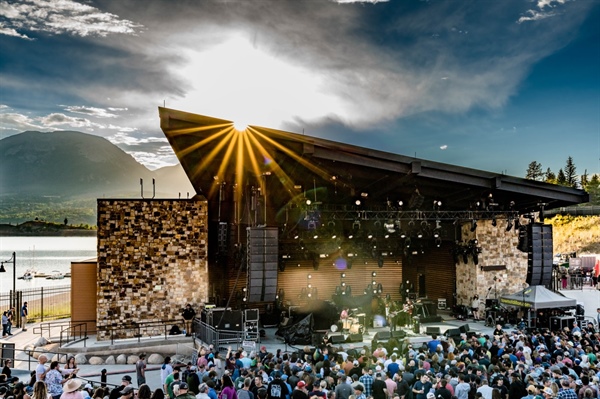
point(44, 254)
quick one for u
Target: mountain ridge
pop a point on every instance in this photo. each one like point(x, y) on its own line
point(52, 169)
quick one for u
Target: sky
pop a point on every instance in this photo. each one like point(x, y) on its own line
point(486, 84)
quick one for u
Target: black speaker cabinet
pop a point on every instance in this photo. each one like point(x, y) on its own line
point(382, 336)
point(399, 334)
point(354, 337)
point(464, 329)
point(337, 339)
point(430, 330)
point(560, 322)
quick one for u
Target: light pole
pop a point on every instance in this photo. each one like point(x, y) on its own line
point(12, 260)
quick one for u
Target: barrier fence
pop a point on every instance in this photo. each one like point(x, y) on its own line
point(43, 304)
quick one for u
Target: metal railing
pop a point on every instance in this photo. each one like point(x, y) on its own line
point(148, 329)
point(77, 331)
point(219, 338)
point(48, 303)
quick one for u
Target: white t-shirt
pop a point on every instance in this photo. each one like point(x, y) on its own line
point(165, 370)
point(39, 370)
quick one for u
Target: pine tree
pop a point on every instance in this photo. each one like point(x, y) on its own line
point(550, 177)
point(561, 179)
point(534, 171)
point(570, 173)
point(584, 180)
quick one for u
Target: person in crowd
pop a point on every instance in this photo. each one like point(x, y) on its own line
point(202, 392)
point(165, 370)
point(20, 391)
point(54, 380)
point(71, 389)
point(184, 392)
point(158, 394)
point(300, 391)
point(116, 392)
point(228, 391)
point(70, 370)
point(144, 392)
point(5, 324)
point(140, 369)
point(6, 369)
point(127, 392)
point(40, 391)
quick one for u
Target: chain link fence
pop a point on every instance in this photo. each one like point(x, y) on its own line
point(43, 304)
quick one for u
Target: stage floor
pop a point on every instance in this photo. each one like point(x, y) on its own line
point(273, 343)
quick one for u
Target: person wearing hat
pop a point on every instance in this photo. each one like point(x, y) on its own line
point(116, 392)
point(127, 392)
point(300, 392)
point(548, 393)
point(71, 389)
point(184, 392)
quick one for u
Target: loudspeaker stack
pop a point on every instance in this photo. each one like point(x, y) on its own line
point(539, 254)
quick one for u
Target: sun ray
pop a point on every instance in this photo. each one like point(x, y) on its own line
point(213, 153)
point(190, 130)
point(235, 137)
point(321, 172)
point(239, 177)
point(203, 142)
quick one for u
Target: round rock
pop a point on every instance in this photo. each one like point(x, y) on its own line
point(80, 359)
point(110, 360)
point(132, 359)
point(155, 358)
point(121, 359)
point(96, 360)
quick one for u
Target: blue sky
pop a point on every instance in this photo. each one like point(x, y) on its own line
point(487, 84)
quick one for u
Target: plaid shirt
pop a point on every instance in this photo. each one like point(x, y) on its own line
point(367, 381)
point(567, 394)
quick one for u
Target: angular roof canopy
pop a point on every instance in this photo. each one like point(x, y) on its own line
point(292, 168)
point(538, 297)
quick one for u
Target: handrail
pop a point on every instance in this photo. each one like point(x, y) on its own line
point(48, 326)
point(76, 327)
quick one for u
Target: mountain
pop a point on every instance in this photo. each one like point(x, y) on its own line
point(70, 167)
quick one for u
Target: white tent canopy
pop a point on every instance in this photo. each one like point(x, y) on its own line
point(537, 297)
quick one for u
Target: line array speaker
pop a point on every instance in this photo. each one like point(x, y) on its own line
point(539, 254)
point(262, 263)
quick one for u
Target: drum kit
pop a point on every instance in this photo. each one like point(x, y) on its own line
point(353, 325)
point(495, 313)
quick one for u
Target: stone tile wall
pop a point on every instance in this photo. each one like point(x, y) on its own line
point(499, 247)
point(152, 261)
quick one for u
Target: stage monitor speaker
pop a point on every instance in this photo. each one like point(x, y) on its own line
point(399, 334)
point(337, 339)
point(263, 256)
point(523, 244)
point(382, 336)
point(358, 337)
point(452, 332)
point(430, 330)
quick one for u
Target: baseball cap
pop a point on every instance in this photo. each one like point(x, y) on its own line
point(430, 395)
point(126, 378)
point(301, 384)
point(183, 385)
point(548, 391)
point(531, 389)
point(127, 390)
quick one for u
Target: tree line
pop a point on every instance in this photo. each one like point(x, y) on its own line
point(566, 176)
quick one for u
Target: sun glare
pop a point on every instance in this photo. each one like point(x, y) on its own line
point(240, 126)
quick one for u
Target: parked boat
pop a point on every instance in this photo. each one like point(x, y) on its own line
point(28, 275)
point(56, 275)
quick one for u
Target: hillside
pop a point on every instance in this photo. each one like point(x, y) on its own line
point(55, 175)
point(579, 234)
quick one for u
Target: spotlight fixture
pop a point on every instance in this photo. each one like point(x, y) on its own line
point(420, 234)
point(402, 234)
point(364, 194)
point(373, 274)
point(438, 242)
point(473, 225)
point(343, 275)
point(308, 202)
point(380, 262)
point(357, 202)
point(407, 242)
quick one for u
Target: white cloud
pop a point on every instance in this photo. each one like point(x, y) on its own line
point(548, 3)
point(123, 138)
point(18, 122)
point(58, 119)
point(91, 111)
point(61, 17)
point(443, 147)
point(533, 15)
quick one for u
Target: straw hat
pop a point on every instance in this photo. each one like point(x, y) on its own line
point(72, 385)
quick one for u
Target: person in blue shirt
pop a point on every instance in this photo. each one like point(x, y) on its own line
point(433, 344)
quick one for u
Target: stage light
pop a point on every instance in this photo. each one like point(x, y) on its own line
point(343, 283)
point(343, 275)
point(308, 202)
point(373, 274)
point(400, 203)
point(407, 242)
point(402, 234)
point(420, 234)
point(309, 285)
point(473, 225)
point(380, 262)
point(357, 202)
point(436, 233)
point(309, 276)
point(370, 235)
point(364, 194)
point(438, 242)
point(334, 236)
point(350, 236)
point(494, 223)
point(316, 236)
point(390, 226)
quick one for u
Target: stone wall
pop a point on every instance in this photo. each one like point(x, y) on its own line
point(152, 261)
point(499, 247)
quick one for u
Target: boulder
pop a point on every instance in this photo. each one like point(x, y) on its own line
point(42, 341)
point(96, 360)
point(80, 359)
point(132, 359)
point(110, 360)
point(121, 359)
point(155, 358)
